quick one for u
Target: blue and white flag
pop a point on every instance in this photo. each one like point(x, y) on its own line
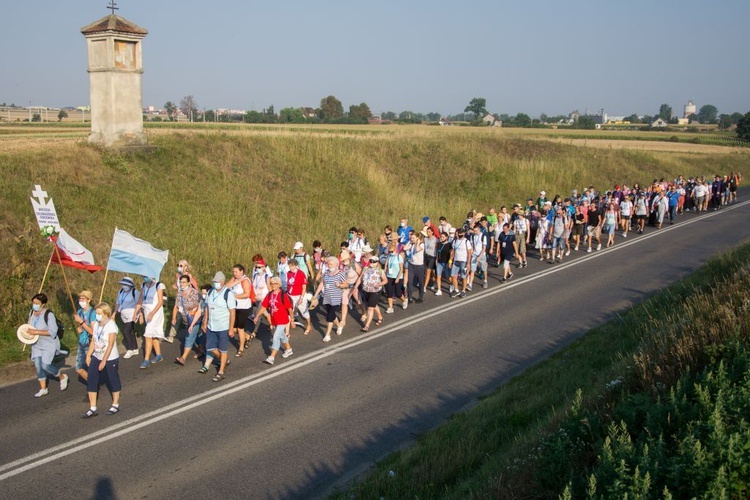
point(132, 255)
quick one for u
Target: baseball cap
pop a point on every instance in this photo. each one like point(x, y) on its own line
point(298, 245)
point(219, 277)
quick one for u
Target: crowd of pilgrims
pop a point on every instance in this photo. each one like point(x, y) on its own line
point(357, 281)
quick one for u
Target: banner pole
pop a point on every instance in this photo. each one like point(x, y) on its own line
point(65, 277)
point(101, 294)
point(44, 278)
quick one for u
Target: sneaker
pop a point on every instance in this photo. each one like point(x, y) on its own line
point(455, 294)
point(519, 265)
point(113, 409)
point(576, 248)
point(145, 364)
point(433, 288)
point(327, 338)
point(405, 304)
point(418, 300)
point(624, 235)
point(269, 360)
point(287, 353)
point(588, 250)
point(567, 252)
point(389, 310)
point(158, 359)
point(485, 285)
point(525, 264)
point(42, 392)
point(129, 354)
point(510, 276)
point(339, 330)
point(439, 292)
point(503, 280)
point(598, 247)
point(169, 339)
point(64, 382)
point(468, 287)
point(462, 294)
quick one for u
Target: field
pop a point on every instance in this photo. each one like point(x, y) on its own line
point(216, 194)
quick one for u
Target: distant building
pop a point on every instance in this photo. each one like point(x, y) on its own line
point(491, 121)
point(445, 122)
point(689, 109)
point(659, 123)
point(308, 112)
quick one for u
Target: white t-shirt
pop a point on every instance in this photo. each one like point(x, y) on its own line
point(625, 208)
point(700, 190)
point(151, 295)
point(460, 250)
point(100, 338)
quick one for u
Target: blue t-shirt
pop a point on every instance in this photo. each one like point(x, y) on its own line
point(218, 309)
point(403, 234)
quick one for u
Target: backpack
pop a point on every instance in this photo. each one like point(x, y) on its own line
point(60, 324)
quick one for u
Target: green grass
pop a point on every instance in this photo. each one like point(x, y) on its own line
point(548, 428)
point(217, 196)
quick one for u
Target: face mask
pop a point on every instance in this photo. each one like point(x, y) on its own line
point(403, 224)
point(99, 317)
point(36, 307)
point(318, 250)
point(83, 304)
point(182, 288)
point(179, 269)
point(204, 296)
point(217, 286)
point(126, 289)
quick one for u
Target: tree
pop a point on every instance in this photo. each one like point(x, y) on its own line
point(330, 108)
point(522, 120)
point(693, 118)
point(665, 112)
point(253, 117)
point(633, 118)
point(209, 115)
point(360, 112)
point(171, 109)
point(389, 115)
point(189, 107)
point(736, 117)
point(585, 122)
point(62, 114)
point(708, 113)
point(432, 117)
point(291, 115)
point(477, 106)
point(36, 117)
point(743, 127)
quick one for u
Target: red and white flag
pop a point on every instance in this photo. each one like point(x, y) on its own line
point(72, 254)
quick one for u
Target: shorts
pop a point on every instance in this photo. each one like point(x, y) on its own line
point(429, 262)
point(506, 263)
point(279, 337)
point(521, 242)
point(609, 229)
point(300, 305)
point(331, 311)
point(392, 288)
point(440, 268)
point(110, 375)
point(217, 340)
point(81, 357)
point(558, 242)
point(371, 298)
point(240, 317)
point(578, 230)
point(458, 269)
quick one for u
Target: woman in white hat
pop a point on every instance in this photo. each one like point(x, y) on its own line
point(44, 324)
point(150, 304)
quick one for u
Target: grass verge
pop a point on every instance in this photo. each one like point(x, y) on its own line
point(650, 404)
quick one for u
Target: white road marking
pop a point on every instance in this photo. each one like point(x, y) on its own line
point(131, 425)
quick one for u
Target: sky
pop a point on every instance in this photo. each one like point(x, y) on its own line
point(533, 57)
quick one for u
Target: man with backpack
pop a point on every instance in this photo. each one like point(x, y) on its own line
point(127, 299)
point(461, 257)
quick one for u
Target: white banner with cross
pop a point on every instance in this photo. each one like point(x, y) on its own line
point(45, 212)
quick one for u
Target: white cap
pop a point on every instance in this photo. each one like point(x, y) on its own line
point(298, 245)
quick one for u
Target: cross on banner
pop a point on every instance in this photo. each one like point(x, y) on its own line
point(44, 209)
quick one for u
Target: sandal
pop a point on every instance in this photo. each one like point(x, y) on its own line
point(179, 361)
point(113, 409)
point(364, 329)
point(218, 377)
point(203, 369)
point(363, 318)
point(239, 354)
point(90, 413)
point(379, 322)
point(307, 332)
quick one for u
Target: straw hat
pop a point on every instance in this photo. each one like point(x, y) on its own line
point(24, 336)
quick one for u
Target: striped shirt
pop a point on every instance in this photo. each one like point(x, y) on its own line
point(331, 293)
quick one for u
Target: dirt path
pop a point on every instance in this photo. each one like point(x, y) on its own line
point(670, 147)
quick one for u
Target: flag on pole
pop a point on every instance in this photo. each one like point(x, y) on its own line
point(132, 255)
point(72, 254)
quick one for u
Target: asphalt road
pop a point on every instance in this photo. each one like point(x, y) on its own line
point(325, 414)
